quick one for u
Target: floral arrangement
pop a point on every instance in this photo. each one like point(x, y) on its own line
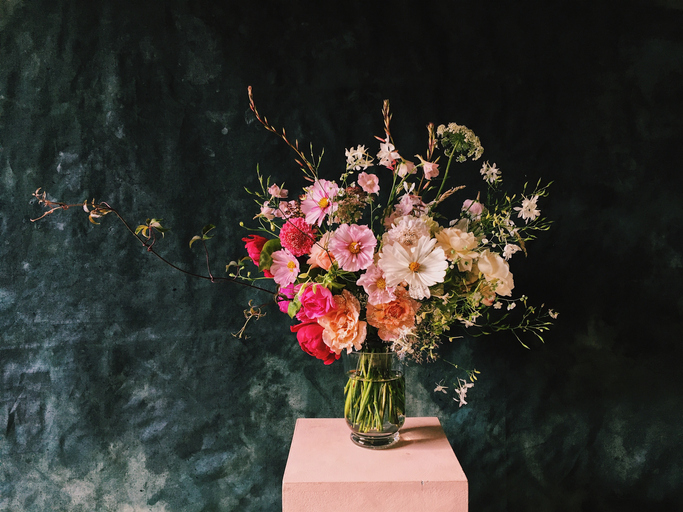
point(364, 261)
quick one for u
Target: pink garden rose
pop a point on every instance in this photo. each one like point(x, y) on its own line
point(309, 336)
point(316, 301)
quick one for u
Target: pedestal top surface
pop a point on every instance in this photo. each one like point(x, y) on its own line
point(322, 451)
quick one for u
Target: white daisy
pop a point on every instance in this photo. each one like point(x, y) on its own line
point(421, 267)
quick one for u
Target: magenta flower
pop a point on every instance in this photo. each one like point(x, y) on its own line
point(316, 301)
point(297, 236)
point(353, 247)
point(319, 201)
point(285, 267)
point(285, 296)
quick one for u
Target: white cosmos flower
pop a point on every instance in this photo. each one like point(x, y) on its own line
point(421, 267)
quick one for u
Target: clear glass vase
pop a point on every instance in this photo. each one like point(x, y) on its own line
point(374, 398)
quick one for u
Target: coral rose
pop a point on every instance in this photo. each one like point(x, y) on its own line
point(309, 336)
point(342, 329)
point(320, 255)
point(393, 317)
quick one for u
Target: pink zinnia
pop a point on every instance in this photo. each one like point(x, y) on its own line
point(319, 201)
point(353, 247)
point(297, 236)
point(285, 267)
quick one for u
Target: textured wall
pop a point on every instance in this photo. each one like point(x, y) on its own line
point(121, 385)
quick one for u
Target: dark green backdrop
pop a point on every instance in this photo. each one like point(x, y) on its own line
point(122, 387)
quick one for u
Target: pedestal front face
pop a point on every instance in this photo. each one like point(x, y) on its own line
point(326, 472)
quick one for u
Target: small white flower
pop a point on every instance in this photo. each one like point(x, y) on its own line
point(529, 209)
point(497, 304)
point(441, 388)
point(509, 250)
point(387, 155)
point(553, 314)
point(511, 306)
point(461, 391)
point(357, 158)
point(490, 172)
point(467, 322)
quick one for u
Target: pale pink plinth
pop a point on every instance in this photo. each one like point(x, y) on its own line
point(326, 472)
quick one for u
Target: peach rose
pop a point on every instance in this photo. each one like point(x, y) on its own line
point(392, 317)
point(458, 246)
point(341, 327)
point(320, 255)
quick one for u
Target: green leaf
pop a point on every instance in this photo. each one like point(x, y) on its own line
point(194, 239)
point(266, 259)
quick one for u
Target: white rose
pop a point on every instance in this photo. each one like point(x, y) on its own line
point(497, 272)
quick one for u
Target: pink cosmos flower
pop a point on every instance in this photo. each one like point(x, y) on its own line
point(375, 285)
point(319, 201)
point(285, 267)
point(316, 301)
point(353, 246)
point(297, 236)
point(368, 182)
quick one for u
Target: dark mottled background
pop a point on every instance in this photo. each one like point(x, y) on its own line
point(122, 387)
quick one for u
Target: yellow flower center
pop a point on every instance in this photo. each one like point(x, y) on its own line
point(414, 266)
point(291, 266)
point(381, 284)
point(354, 247)
point(323, 202)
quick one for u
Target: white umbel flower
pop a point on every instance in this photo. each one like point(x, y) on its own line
point(421, 267)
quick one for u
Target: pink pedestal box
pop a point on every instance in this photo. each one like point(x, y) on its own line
point(326, 472)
